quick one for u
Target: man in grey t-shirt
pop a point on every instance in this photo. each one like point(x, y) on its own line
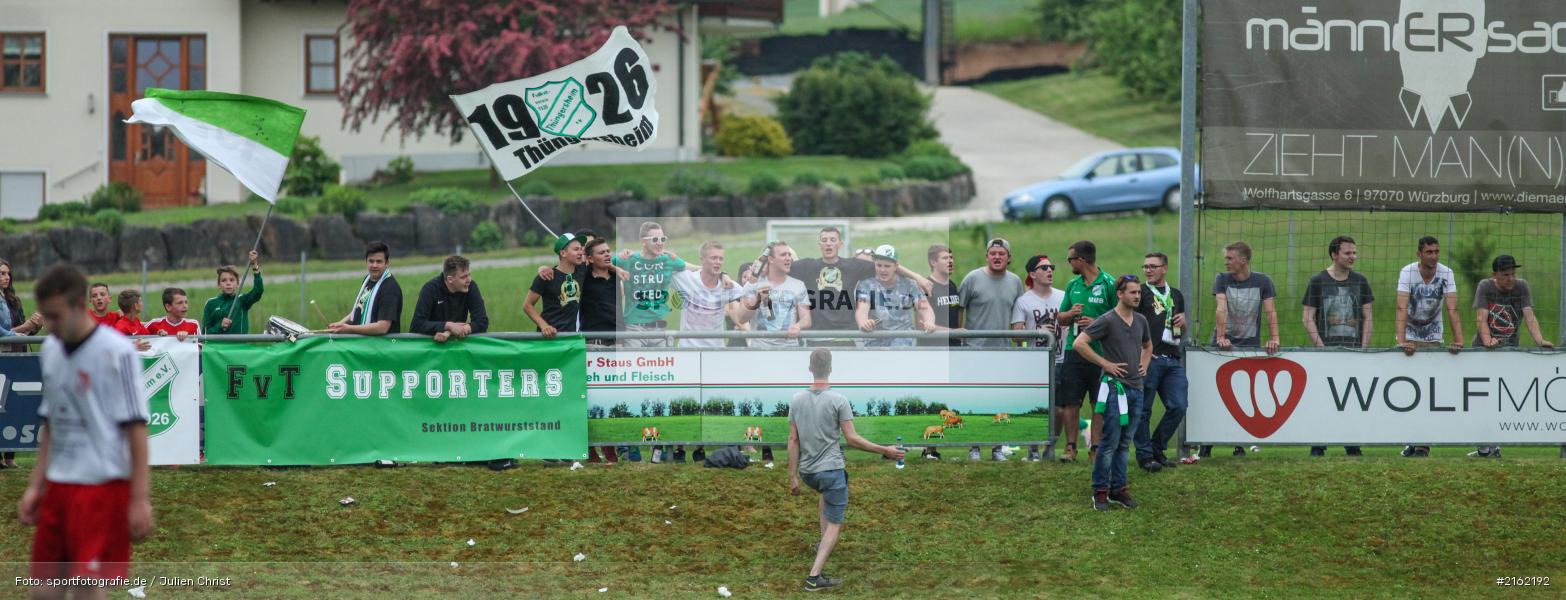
point(1128, 348)
point(1502, 303)
point(987, 293)
point(815, 420)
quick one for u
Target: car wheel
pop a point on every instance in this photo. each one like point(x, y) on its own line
point(1058, 209)
point(1172, 200)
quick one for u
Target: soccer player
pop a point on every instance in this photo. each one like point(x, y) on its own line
point(561, 294)
point(776, 302)
point(889, 302)
point(1500, 303)
point(704, 295)
point(90, 492)
point(1242, 297)
point(450, 304)
point(816, 419)
point(1422, 287)
point(1338, 308)
point(1164, 308)
point(943, 293)
point(100, 305)
point(1087, 297)
point(1128, 347)
point(220, 315)
point(176, 304)
point(377, 309)
point(986, 295)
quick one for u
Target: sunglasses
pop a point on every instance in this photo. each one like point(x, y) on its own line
point(656, 239)
point(1151, 266)
point(1045, 267)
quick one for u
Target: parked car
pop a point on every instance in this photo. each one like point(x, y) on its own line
point(1118, 180)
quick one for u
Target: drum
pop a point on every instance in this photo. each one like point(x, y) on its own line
point(280, 326)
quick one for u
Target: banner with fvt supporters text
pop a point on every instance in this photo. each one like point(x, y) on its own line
point(322, 402)
point(607, 97)
point(1475, 397)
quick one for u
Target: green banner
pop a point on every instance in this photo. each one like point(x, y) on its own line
point(323, 402)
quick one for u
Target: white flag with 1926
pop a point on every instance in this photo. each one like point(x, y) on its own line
point(606, 97)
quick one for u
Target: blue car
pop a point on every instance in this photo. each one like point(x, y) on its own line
point(1119, 180)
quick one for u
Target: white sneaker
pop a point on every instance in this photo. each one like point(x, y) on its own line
point(998, 456)
point(973, 453)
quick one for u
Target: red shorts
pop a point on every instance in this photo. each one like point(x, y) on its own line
point(83, 531)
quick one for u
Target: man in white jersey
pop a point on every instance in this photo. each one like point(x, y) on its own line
point(703, 295)
point(90, 494)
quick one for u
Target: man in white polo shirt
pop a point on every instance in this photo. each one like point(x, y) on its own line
point(703, 295)
point(90, 493)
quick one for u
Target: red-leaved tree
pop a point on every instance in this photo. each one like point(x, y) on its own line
point(407, 56)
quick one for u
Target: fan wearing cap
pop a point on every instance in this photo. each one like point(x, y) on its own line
point(987, 293)
point(561, 293)
point(889, 302)
point(1500, 302)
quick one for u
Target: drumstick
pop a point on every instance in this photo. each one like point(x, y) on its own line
point(318, 312)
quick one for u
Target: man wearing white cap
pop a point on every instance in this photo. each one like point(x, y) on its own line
point(986, 295)
point(889, 301)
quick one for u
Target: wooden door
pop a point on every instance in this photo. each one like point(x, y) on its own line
point(152, 159)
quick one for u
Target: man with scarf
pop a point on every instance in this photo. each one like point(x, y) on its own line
point(377, 309)
point(1128, 347)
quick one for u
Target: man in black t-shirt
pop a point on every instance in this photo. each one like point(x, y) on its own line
point(943, 292)
point(600, 290)
point(1164, 308)
point(830, 282)
point(561, 294)
point(1337, 308)
point(450, 304)
point(377, 308)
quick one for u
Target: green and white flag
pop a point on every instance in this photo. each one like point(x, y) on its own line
point(250, 137)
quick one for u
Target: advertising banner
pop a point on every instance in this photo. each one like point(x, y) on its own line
point(319, 401)
point(726, 395)
point(1476, 397)
point(1429, 105)
point(170, 384)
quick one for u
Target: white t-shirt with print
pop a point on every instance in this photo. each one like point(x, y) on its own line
point(1426, 301)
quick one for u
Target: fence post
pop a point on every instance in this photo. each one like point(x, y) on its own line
point(302, 295)
point(1150, 225)
point(143, 275)
point(1290, 276)
point(1188, 96)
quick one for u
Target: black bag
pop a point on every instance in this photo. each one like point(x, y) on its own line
point(727, 457)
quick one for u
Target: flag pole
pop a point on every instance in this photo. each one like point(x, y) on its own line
point(253, 248)
point(530, 210)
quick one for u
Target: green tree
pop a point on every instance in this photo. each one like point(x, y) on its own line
point(852, 104)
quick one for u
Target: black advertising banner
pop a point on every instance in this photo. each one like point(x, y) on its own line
point(1426, 105)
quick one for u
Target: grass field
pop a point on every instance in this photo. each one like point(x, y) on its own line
point(1264, 526)
point(976, 428)
point(1095, 103)
point(976, 20)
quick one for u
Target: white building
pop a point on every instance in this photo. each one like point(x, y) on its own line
point(69, 70)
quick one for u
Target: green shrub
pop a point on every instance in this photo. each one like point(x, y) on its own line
point(118, 196)
point(341, 200)
point(753, 136)
point(485, 237)
point(61, 211)
point(448, 200)
point(892, 173)
point(842, 181)
point(764, 183)
point(536, 187)
point(530, 237)
point(8, 226)
point(808, 179)
point(870, 179)
point(934, 168)
point(293, 206)
point(399, 170)
point(108, 220)
point(697, 183)
point(634, 188)
point(927, 148)
point(854, 105)
point(310, 170)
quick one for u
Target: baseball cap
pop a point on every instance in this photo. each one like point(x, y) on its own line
point(564, 240)
point(1503, 262)
point(1033, 263)
point(885, 251)
point(998, 242)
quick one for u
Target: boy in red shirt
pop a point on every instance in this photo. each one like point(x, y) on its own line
point(90, 492)
point(100, 305)
point(176, 305)
point(129, 323)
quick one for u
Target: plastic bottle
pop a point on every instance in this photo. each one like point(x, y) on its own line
point(900, 462)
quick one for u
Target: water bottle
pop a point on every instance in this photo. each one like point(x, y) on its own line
point(900, 462)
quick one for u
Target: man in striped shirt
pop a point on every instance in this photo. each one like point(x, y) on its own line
point(90, 493)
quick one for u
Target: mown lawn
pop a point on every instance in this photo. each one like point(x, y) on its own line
point(976, 20)
point(976, 428)
point(1095, 103)
point(1264, 526)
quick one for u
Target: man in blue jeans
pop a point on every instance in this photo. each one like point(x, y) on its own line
point(816, 418)
point(1164, 308)
point(1128, 348)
